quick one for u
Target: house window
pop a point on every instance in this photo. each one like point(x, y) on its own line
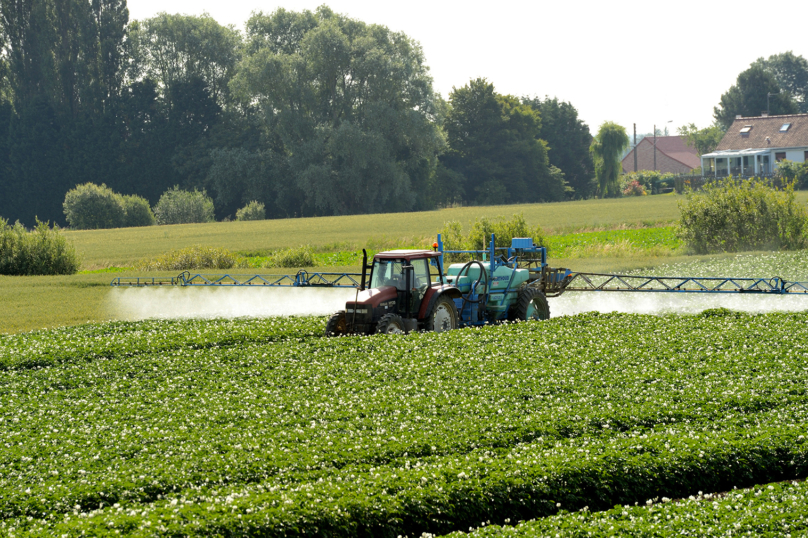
point(780, 156)
point(785, 127)
point(746, 129)
point(805, 157)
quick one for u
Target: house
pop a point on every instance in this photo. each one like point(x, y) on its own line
point(673, 155)
point(753, 146)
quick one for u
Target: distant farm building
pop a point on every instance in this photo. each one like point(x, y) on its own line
point(753, 146)
point(673, 155)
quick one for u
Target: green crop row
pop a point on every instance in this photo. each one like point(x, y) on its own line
point(779, 509)
point(276, 431)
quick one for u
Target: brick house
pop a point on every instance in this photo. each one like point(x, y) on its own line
point(754, 146)
point(672, 155)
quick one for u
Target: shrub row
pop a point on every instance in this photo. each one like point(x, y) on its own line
point(41, 251)
point(91, 206)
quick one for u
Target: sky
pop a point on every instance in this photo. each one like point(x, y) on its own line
point(645, 62)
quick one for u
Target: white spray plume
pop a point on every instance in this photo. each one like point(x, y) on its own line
point(235, 302)
point(672, 302)
point(232, 302)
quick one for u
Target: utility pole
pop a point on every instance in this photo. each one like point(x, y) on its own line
point(635, 148)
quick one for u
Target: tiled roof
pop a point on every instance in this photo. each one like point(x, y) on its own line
point(676, 148)
point(766, 126)
point(672, 146)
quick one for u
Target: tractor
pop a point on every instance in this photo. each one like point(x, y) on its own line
point(400, 293)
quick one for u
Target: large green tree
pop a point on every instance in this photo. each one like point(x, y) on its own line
point(791, 73)
point(496, 153)
point(350, 107)
point(64, 62)
point(748, 97)
point(607, 147)
point(702, 140)
point(176, 49)
point(568, 138)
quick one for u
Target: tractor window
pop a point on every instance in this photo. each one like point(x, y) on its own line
point(387, 273)
point(421, 273)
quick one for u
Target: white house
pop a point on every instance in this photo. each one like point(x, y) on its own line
point(753, 146)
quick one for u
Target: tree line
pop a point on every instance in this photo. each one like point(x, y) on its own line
point(309, 113)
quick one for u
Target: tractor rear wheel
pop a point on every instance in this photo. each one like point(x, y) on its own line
point(531, 304)
point(443, 316)
point(337, 324)
point(390, 324)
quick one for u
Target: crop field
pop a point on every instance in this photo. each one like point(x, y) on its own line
point(779, 509)
point(264, 427)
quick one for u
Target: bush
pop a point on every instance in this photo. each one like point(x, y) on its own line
point(42, 251)
point(651, 180)
point(730, 216)
point(789, 171)
point(634, 189)
point(181, 207)
point(293, 257)
point(90, 206)
point(137, 211)
point(197, 257)
point(479, 236)
point(252, 211)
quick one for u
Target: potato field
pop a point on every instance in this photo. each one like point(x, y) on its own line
point(266, 428)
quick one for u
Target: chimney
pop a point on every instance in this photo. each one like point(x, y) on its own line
point(738, 116)
point(764, 114)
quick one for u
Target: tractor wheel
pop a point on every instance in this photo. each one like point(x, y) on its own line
point(337, 324)
point(531, 304)
point(390, 324)
point(443, 316)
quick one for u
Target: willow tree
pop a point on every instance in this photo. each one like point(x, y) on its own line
point(606, 149)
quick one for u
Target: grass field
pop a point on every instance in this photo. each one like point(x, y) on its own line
point(122, 247)
point(39, 302)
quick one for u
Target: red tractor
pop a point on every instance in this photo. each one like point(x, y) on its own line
point(402, 297)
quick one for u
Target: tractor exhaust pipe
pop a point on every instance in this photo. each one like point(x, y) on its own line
point(364, 269)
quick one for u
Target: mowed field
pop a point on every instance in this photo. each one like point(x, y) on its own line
point(122, 247)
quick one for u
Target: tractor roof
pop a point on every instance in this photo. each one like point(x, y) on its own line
point(406, 254)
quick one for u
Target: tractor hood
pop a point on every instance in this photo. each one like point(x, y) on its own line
point(374, 297)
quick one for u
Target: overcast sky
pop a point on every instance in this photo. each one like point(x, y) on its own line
point(625, 61)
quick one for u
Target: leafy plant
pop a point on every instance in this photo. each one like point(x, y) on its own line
point(252, 211)
point(730, 215)
point(181, 207)
point(42, 251)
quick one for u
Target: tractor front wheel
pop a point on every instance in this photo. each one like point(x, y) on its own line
point(443, 316)
point(390, 324)
point(531, 304)
point(337, 324)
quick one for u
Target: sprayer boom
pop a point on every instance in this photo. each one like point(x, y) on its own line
point(301, 279)
point(632, 283)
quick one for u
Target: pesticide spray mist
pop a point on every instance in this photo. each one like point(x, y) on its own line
point(673, 303)
point(167, 303)
point(235, 302)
